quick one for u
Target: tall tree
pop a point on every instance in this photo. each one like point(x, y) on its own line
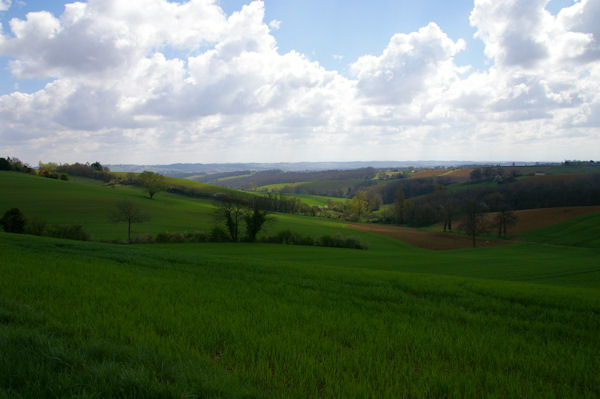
point(448, 212)
point(152, 182)
point(359, 205)
point(504, 218)
point(231, 213)
point(474, 221)
point(398, 206)
point(127, 211)
point(255, 218)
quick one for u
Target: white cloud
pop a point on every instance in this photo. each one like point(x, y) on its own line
point(275, 24)
point(406, 66)
point(5, 4)
point(226, 93)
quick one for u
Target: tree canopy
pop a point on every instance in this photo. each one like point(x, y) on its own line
point(152, 182)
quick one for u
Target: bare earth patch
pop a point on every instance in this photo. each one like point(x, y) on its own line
point(426, 239)
point(530, 219)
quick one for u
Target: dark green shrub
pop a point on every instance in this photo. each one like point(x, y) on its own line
point(64, 176)
point(196, 236)
point(71, 232)
point(4, 164)
point(144, 238)
point(36, 227)
point(339, 241)
point(13, 221)
point(218, 234)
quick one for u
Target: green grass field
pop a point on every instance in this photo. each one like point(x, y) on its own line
point(227, 320)
point(317, 200)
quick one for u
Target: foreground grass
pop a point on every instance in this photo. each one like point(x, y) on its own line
point(227, 320)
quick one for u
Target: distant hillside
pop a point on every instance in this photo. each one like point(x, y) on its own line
point(191, 169)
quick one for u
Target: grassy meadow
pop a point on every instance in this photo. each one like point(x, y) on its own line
point(227, 320)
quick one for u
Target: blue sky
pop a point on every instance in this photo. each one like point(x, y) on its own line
point(300, 80)
point(322, 30)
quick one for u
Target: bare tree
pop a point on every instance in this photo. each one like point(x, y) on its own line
point(127, 211)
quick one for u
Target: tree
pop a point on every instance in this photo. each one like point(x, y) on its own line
point(152, 182)
point(448, 212)
point(476, 174)
point(4, 164)
point(474, 221)
point(359, 205)
point(398, 206)
point(13, 221)
point(504, 218)
point(374, 200)
point(231, 213)
point(127, 211)
point(255, 218)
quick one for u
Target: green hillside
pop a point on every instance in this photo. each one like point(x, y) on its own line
point(77, 202)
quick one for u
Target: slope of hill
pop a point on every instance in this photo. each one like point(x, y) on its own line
point(90, 205)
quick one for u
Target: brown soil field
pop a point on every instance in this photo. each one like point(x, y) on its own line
point(530, 219)
point(461, 175)
point(456, 175)
point(427, 173)
point(434, 240)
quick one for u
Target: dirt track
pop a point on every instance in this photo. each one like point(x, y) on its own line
point(425, 239)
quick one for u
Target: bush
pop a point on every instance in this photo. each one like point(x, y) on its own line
point(218, 234)
point(338, 241)
point(13, 221)
point(71, 232)
point(36, 227)
point(64, 176)
point(144, 238)
point(195, 236)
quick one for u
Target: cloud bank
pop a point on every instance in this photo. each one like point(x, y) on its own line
point(152, 81)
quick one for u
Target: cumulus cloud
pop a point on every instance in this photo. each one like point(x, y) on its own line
point(183, 81)
point(407, 64)
point(5, 4)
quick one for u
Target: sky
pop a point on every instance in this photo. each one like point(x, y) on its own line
point(157, 81)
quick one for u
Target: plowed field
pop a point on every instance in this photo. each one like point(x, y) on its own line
point(530, 219)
